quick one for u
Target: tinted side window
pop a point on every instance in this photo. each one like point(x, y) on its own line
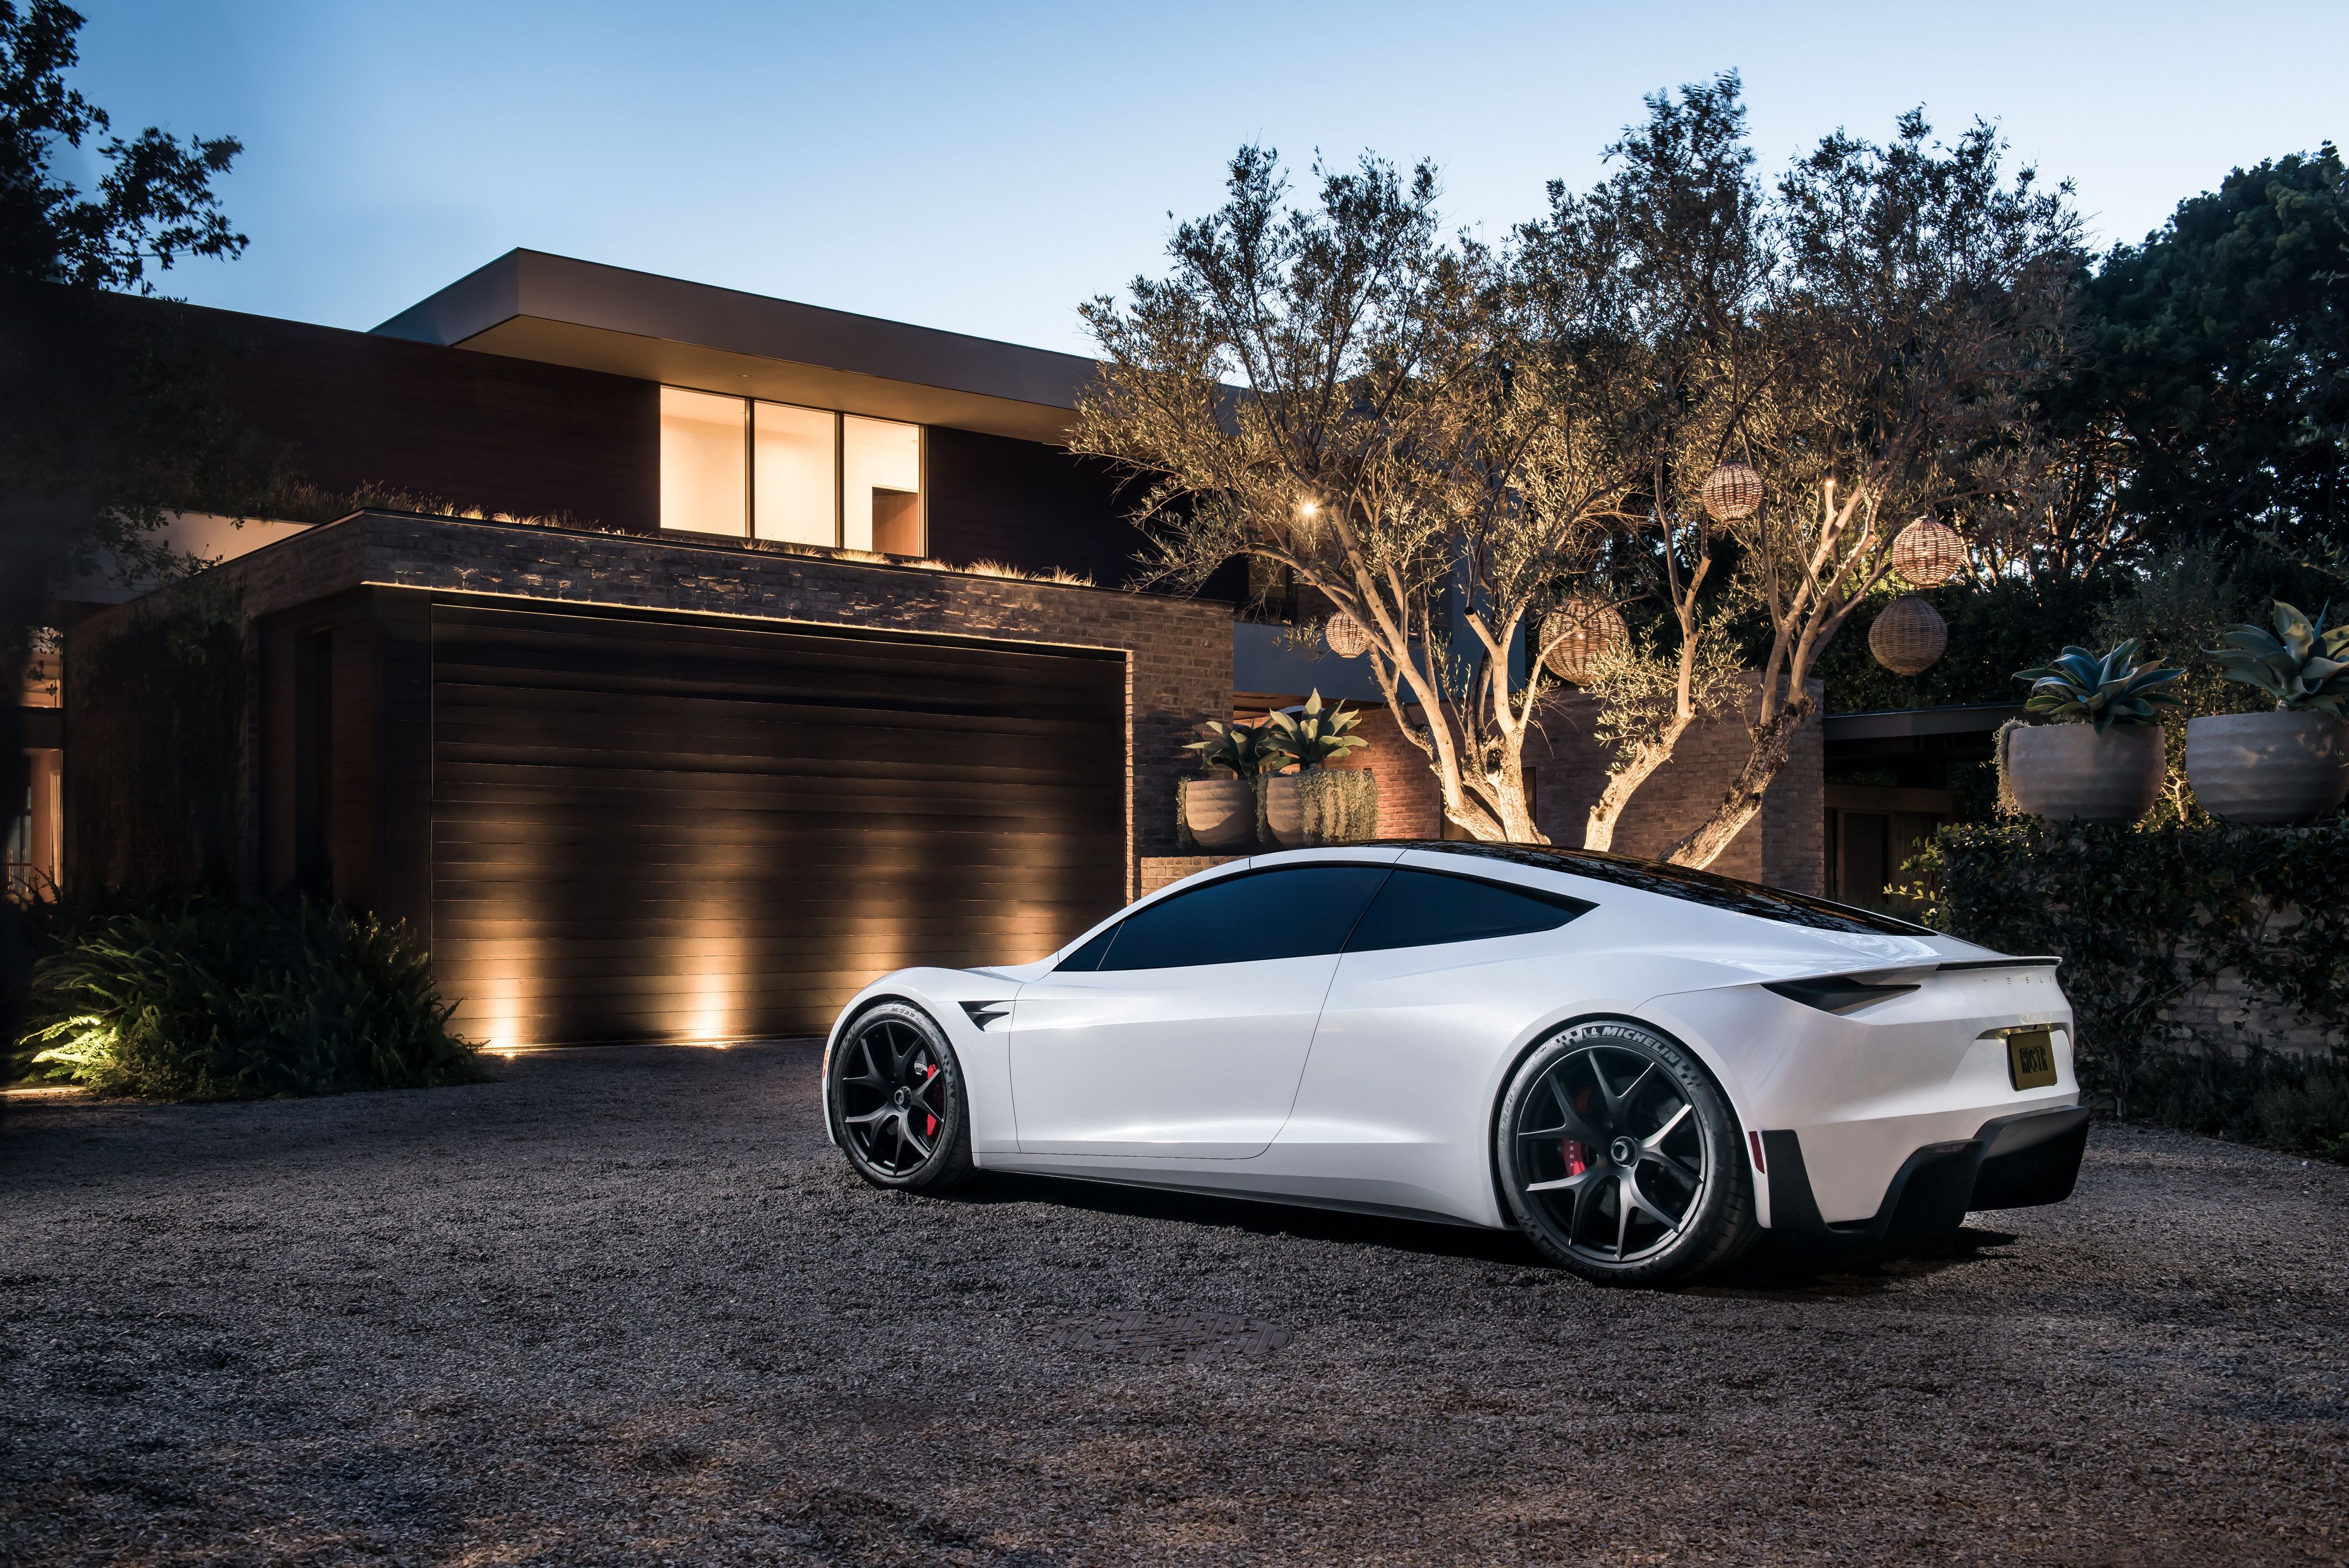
point(1088, 957)
point(1419, 908)
point(1291, 913)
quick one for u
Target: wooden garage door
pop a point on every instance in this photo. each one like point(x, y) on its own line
point(651, 830)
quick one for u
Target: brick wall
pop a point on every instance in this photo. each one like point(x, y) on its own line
point(1784, 845)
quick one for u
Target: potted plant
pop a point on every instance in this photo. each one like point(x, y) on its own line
point(2101, 760)
point(1220, 813)
point(2288, 764)
point(1308, 737)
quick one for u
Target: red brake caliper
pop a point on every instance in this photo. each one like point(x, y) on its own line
point(931, 1131)
point(1578, 1156)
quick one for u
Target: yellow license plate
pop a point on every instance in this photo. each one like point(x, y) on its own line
point(2031, 1059)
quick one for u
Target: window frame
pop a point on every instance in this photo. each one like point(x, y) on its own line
point(840, 418)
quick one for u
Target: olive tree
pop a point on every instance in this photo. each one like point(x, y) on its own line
point(1664, 257)
point(1340, 389)
point(1916, 294)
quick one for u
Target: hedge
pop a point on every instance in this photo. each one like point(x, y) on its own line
point(2143, 918)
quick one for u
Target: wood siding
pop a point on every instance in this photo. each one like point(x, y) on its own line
point(476, 429)
point(993, 498)
point(655, 829)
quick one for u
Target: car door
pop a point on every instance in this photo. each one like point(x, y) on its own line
point(1181, 1032)
point(1439, 968)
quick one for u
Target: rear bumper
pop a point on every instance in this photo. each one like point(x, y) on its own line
point(2012, 1162)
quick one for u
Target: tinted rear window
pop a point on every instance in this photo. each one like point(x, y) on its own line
point(1695, 887)
point(1421, 908)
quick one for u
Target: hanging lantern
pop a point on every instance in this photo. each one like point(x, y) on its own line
point(1347, 638)
point(1929, 553)
point(1908, 636)
point(1730, 492)
point(1573, 636)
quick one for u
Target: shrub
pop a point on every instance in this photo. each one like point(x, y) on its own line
point(1339, 807)
point(207, 998)
point(2287, 1102)
point(2143, 916)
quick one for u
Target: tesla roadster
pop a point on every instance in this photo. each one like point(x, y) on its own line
point(1640, 1066)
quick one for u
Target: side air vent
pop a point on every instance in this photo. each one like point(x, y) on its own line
point(1836, 993)
point(983, 1013)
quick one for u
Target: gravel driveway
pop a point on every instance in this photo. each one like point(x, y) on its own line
point(626, 1306)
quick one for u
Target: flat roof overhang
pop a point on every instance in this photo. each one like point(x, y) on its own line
point(1889, 723)
point(529, 305)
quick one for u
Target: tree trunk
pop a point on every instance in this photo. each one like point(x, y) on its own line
point(1624, 782)
point(1774, 738)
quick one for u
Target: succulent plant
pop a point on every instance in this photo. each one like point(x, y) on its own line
point(2302, 665)
point(1313, 735)
point(1242, 747)
point(2113, 689)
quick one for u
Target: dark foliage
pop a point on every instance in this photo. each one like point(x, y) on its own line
point(2288, 1102)
point(2143, 916)
point(2214, 357)
point(104, 424)
point(210, 998)
point(1995, 631)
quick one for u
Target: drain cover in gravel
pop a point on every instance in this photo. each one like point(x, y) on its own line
point(1149, 1336)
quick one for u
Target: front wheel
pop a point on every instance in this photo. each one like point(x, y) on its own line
point(895, 1092)
point(1620, 1159)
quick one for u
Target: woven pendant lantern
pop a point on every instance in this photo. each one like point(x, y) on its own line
point(1928, 553)
point(1578, 634)
point(1908, 636)
point(1347, 638)
point(1730, 492)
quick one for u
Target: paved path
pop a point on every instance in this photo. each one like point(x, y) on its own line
point(626, 1306)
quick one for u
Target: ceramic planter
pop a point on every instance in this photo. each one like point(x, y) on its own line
point(2272, 769)
point(2066, 771)
point(1220, 812)
point(1284, 813)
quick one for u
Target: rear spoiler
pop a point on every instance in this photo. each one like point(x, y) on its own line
point(1845, 992)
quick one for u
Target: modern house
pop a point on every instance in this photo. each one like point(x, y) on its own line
point(689, 656)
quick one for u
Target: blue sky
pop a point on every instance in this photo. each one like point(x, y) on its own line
point(983, 168)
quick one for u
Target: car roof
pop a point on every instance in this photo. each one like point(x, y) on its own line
point(1681, 882)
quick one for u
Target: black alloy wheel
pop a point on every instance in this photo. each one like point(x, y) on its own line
point(1621, 1158)
point(895, 1095)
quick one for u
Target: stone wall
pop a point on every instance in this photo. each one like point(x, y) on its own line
point(2229, 1015)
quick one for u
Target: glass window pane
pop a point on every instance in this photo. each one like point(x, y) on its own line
point(1420, 909)
point(1270, 915)
point(792, 473)
point(880, 485)
point(703, 471)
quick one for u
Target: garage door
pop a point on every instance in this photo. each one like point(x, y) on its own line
point(649, 829)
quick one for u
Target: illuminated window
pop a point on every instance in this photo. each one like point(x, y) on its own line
point(880, 485)
point(34, 834)
point(793, 472)
point(808, 476)
point(702, 451)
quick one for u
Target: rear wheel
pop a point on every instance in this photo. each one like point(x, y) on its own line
point(896, 1095)
point(1620, 1159)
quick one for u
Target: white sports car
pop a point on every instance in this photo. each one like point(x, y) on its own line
point(1640, 1066)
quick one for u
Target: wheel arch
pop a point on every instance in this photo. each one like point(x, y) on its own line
point(1542, 1035)
point(847, 1021)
